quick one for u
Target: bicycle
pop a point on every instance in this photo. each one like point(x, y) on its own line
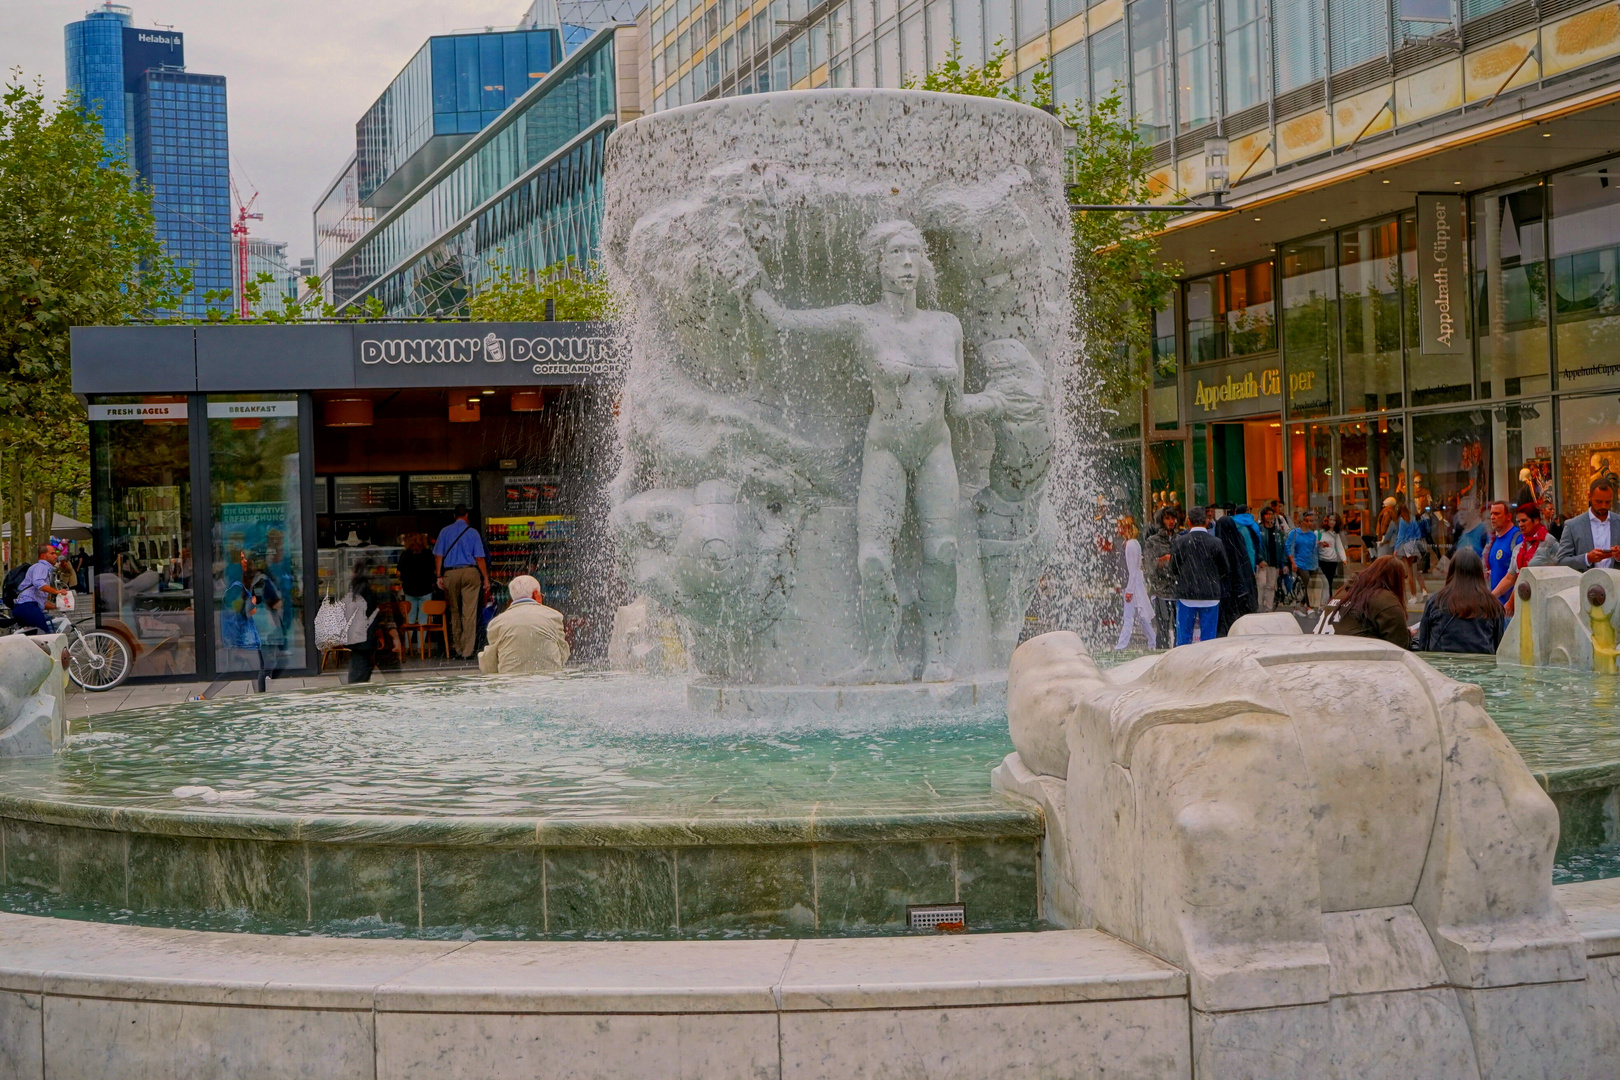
point(96, 661)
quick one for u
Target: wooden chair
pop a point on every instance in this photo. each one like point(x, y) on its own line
point(433, 621)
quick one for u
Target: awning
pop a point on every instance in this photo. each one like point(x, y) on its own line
point(62, 527)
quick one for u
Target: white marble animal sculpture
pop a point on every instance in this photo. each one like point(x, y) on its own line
point(1339, 846)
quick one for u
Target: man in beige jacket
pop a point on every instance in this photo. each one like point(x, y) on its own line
point(527, 638)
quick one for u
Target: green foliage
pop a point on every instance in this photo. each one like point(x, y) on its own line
point(78, 247)
point(1118, 278)
point(577, 294)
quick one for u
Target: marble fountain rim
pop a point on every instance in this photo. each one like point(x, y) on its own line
point(1015, 819)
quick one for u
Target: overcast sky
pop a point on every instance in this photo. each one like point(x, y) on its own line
point(298, 75)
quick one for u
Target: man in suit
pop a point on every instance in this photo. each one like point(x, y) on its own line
point(1589, 539)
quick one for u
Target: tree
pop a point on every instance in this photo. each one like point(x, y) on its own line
point(576, 295)
point(78, 247)
point(1118, 279)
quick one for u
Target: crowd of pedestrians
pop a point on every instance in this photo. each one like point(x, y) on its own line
point(1192, 574)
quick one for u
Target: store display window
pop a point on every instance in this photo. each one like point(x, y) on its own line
point(1370, 311)
point(1310, 326)
point(1589, 447)
point(256, 533)
point(1510, 291)
point(1451, 472)
point(141, 491)
point(1586, 274)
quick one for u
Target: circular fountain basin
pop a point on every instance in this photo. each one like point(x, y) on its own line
point(601, 806)
point(591, 805)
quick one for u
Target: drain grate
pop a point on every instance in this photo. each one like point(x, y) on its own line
point(945, 918)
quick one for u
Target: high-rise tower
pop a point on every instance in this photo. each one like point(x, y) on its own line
point(170, 125)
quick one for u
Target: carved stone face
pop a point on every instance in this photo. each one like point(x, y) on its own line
point(900, 264)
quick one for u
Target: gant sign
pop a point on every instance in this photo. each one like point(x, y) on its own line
point(446, 354)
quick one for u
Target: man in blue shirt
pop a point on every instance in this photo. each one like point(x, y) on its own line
point(36, 588)
point(464, 576)
point(1504, 538)
point(1301, 545)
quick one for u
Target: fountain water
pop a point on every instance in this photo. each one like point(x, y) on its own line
point(846, 312)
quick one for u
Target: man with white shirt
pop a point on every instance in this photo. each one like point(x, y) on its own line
point(1590, 539)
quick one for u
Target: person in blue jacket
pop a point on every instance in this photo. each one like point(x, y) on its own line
point(1302, 546)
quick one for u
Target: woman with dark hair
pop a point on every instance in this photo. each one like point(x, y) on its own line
point(1238, 596)
point(1330, 551)
point(360, 608)
point(1463, 617)
point(1374, 604)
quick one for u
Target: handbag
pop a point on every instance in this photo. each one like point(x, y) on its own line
point(331, 625)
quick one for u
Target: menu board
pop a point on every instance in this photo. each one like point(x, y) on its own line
point(529, 494)
point(365, 494)
point(440, 491)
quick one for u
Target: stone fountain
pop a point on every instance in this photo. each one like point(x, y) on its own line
point(848, 310)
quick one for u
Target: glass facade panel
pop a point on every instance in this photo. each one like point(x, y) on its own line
point(1070, 83)
point(1370, 307)
point(257, 536)
point(1510, 291)
point(1588, 447)
point(1310, 325)
point(1451, 471)
point(1358, 31)
point(1297, 26)
point(1523, 452)
point(1586, 274)
point(1150, 68)
point(1230, 314)
point(1167, 475)
point(1108, 74)
point(1196, 72)
point(1031, 19)
point(1310, 453)
point(141, 491)
point(1248, 53)
point(1372, 468)
point(1164, 398)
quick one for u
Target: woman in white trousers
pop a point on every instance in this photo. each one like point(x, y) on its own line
point(1138, 607)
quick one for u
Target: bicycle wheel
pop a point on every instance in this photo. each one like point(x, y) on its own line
point(98, 661)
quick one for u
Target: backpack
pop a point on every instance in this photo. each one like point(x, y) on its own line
point(13, 584)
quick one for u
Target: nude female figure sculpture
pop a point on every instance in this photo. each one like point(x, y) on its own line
point(913, 358)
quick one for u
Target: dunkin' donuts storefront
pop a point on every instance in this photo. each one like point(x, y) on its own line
point(238, 472)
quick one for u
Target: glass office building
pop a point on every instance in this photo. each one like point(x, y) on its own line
point(522, 193)
point(170, 125)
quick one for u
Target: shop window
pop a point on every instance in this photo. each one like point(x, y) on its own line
point(1522, 449)
point(1310, 325)
point(1371, 468)
point(144, 585)
point(1370, 311)
point(257, 573)
point(1165, 395)
point(1121, 478)
point(1310, 454)
point(1586, 274)
point(1200, 465)
point(1435, 379)
point(1510, 292)
point(1231, 314)
point(1588, 447)
point(1451, 472)
point(1167, 475)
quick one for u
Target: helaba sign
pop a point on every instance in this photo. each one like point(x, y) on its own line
point(452, 355)
point(146, 38)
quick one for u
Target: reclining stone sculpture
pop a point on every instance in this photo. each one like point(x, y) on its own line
point(1339, 846)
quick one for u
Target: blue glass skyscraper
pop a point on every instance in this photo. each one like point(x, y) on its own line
point(170, 124)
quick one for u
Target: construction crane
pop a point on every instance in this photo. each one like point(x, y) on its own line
point(239, 239)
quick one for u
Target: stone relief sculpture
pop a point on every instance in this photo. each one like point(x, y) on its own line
point(847, 308)
point(1563, 618)
point(31, 692)
point(1335, 841)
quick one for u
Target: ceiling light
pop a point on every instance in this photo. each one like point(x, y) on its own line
point(1546, 134)
point(486, 393)
point(1321, 219)
point(1212, 251)
point(1386, 181)
point(1257, 219)
point(1457, 183)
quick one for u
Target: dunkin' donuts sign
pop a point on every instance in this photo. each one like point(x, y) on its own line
point(588, 356)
